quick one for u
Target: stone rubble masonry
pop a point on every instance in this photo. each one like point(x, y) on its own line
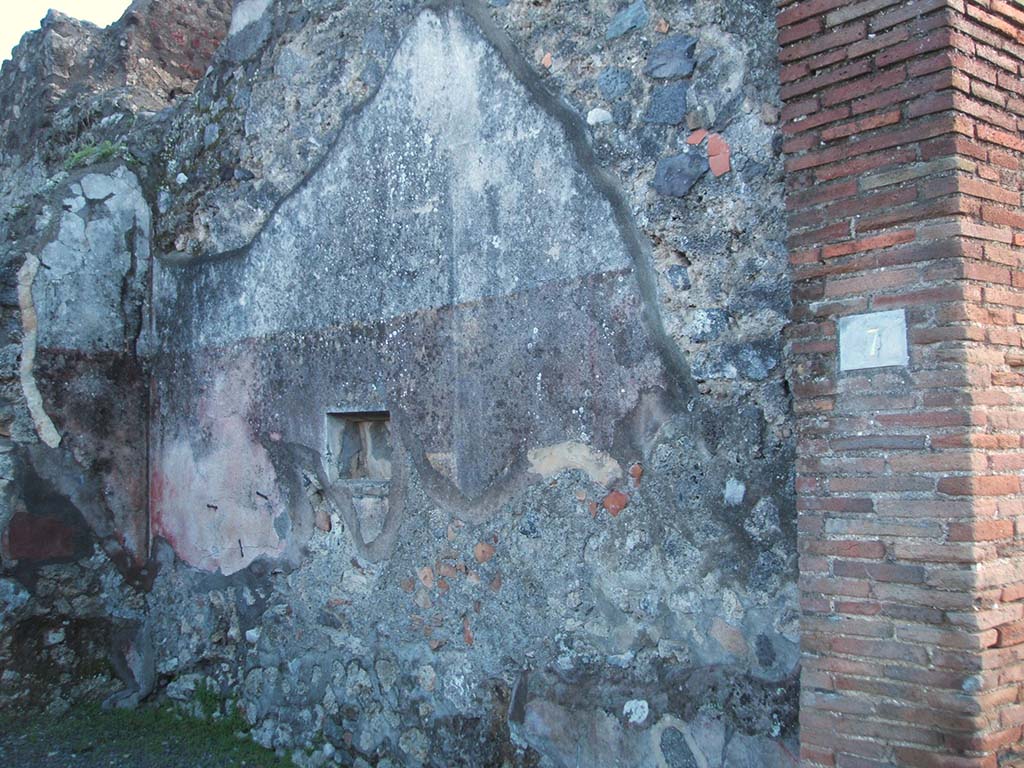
point(145, 60)
point(902, 125)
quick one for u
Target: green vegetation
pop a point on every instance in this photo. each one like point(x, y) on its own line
point(209, 701)
point(148, 736)
point(94, 153)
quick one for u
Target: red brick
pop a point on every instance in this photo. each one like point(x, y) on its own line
point(986, 133)
point(868, 243)
point(996, 23)
point(817, 82)
point(877, 42)
point(860, 126)
point(847, 548)
point(803, 10)
point(989, 191)
point(799, 31)
point(905, 13)
point(980, 485)
point(1011, 634)
point(983, 530)
point(936, 40)
point(847, 91)
point(818, 43)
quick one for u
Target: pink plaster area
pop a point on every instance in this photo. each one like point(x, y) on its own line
point(216, 504)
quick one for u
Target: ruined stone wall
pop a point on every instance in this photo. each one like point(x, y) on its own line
point(544, 242)
point(79, 131)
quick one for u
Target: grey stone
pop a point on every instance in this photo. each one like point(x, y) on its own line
point(12, 598)
point(673, 57)
point(745, 751)
point(614, 82)
point(708, 736)
point(679, 277)
point(632, 17)
point(707, 324)
point(676, 751)
point(415, 744)
point(598, 116)
point(752, 361)
point(667, 105)
point(755, 361)
point(210, 134)
point(763, 521)
point(675, 176)
point(97, 186)
point(622, 111)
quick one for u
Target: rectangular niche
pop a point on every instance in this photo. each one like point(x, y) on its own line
point(359, 446)
point(358, 454)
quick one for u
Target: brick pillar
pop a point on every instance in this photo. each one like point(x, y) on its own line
point(902, 125)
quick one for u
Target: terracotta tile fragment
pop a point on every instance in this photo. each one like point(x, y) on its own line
point(720, 163)
point(615, 502)
point(636, 471)
point(426, 576)
point(483, 552)
point(696, 137)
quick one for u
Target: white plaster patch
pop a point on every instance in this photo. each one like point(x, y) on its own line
point(552, 459)
point(44, 425)
point(246, 12)
point(636, 711)
point(734, 492)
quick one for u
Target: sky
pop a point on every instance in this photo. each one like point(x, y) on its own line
point(19, 16)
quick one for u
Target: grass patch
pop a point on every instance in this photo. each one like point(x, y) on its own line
point(148, 736)
point(94, 153)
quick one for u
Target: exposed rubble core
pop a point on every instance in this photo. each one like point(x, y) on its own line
point(411, 379)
